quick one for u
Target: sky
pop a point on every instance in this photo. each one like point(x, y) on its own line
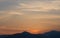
point(34, 16)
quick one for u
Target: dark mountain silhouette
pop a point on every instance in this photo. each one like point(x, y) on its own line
point(51, 34)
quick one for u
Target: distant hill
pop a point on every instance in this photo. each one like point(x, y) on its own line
point(51, 34)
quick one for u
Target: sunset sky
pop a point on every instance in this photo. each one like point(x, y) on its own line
point(34, 16)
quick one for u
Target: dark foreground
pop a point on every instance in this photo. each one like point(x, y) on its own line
point(51, 34)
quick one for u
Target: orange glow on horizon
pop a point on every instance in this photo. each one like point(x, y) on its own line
point(33, 31)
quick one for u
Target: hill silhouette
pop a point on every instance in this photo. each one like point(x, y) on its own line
point(51, 34)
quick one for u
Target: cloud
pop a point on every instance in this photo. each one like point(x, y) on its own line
point(39, 6)
point(44, 16)
point(29, 5)
point(14, 12)
point(2, 0)
point(8, 5)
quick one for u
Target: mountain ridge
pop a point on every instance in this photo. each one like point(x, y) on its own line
point(51, 34)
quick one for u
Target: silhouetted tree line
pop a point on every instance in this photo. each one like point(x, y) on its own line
point(51, 34)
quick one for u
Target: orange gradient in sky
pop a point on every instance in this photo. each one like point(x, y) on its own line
point(33, 31)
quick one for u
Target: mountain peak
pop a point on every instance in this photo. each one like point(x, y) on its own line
point(25, 32)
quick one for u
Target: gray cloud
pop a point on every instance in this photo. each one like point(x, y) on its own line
point(7, 5)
